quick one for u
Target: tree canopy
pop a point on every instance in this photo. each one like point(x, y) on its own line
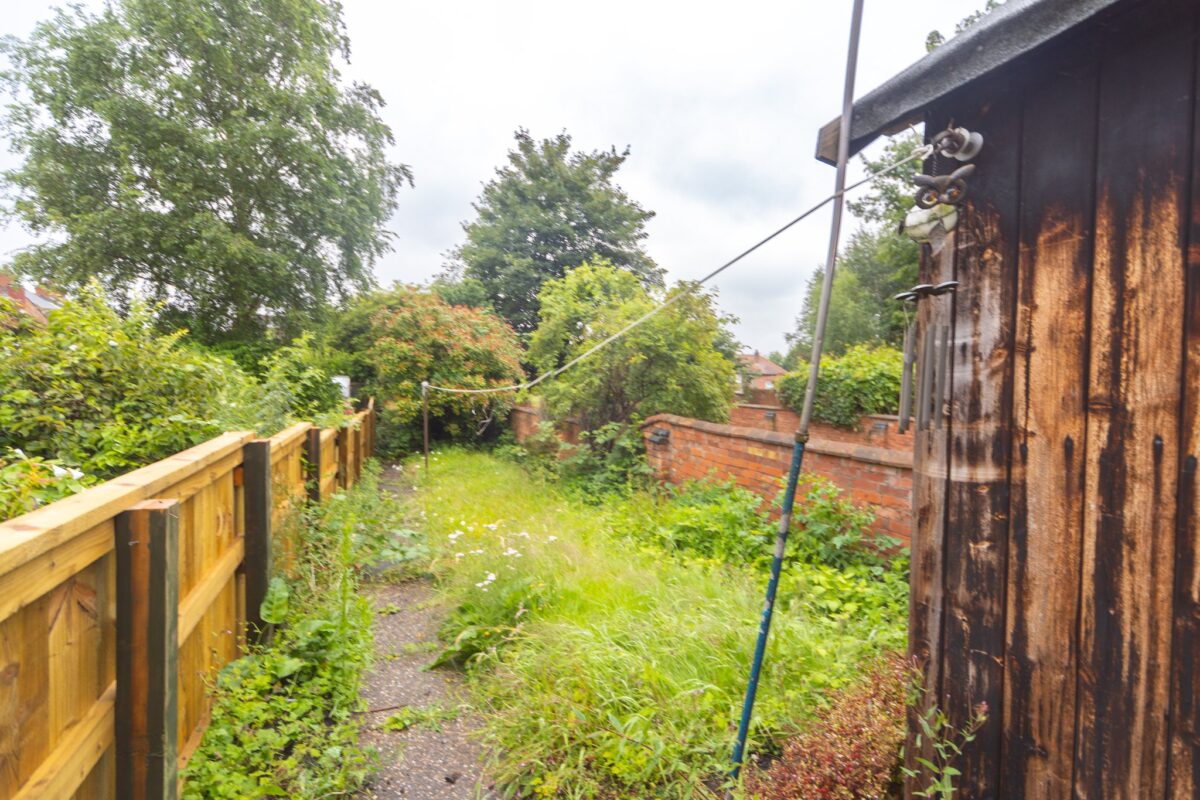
point(547, 211)
point(875, 264)
point(204, 152)
point(680, 361)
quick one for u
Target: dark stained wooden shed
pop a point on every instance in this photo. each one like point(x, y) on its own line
point(1055, 571)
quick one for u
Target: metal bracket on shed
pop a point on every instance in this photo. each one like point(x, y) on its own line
point(934, 365)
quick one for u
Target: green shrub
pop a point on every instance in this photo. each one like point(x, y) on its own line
point(27, 483)
point(104, 393)
point(389, 341)
point(828, 529)
point(707, 519)
point(866, 380)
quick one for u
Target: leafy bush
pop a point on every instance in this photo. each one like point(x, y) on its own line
point(866, 380)
point(603, 668)
point(851, 751)
point(680, 361)
point(283, 720)
point(390, 341)
point(27, 483)
point(828, 529)
point(105, 393)
point(102, 393)
point(702, 518)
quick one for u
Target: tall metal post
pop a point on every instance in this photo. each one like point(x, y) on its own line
point(785, 518)
point(425, 416)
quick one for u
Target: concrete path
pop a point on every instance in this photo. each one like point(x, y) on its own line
point(431, 760)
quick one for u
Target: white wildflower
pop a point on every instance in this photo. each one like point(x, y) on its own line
point(112, 342)
point(551, 538)
point(523, 535)
point(455, 535)
point(511, 552)
point(491, 526)
point(58, 471)
point(73, 348)
point(459, 555)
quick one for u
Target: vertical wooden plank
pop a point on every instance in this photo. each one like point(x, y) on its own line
point(1134, 378)
point(342, 440)
point(977, 505)
point(929, 507)
point(258, 507)
point(147, 542)
point(1049, 423)
point(312, 455)
point(1184, 735)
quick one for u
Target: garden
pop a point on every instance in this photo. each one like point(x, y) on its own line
point(601, 623)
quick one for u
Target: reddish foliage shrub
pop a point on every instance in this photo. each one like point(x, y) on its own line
point(851, 751)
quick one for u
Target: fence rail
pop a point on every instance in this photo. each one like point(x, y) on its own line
point(103, 693)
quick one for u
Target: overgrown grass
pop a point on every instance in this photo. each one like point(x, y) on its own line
point(606, 666)
point(283, 720)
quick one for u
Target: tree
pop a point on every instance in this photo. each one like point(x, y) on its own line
point(203, 152)
point(935, 39)
point(680, 361)
point(549, 210)
point(392, 340)
point(876, 263)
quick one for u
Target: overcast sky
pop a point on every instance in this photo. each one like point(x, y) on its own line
point(720, 104)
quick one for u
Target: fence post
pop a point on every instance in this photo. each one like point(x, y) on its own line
point(256, 463)
point(147, 748)
point(312, 454)
point(371, 417)
point(343, 457)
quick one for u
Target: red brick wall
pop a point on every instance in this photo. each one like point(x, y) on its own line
point(525, 421)
point(874, 430)
point(878, 477)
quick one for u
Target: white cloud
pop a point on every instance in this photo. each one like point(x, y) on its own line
point(719, 102)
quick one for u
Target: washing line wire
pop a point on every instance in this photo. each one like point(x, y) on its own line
point(921, 153)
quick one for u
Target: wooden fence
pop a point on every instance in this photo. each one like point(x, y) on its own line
point(103, 691)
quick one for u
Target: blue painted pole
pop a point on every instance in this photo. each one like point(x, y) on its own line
point(764, 624)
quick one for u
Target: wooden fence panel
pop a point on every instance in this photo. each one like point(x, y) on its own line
point(58, 627)
point(327, 474)
point(58, 603)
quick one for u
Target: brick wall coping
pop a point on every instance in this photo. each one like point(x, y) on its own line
point(857, 452)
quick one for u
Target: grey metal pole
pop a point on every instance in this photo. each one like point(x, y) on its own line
point(835, 230)
point(764, 627)
point(425, 420)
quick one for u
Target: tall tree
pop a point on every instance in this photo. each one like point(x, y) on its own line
point(549, 210)
point(204, 152)
point(876, 263)
point(680, 361)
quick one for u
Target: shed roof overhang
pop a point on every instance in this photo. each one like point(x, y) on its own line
point(1009, 32)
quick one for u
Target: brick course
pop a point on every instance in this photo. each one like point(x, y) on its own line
point(872, 475)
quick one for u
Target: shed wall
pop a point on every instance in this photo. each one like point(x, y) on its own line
point(1055, 552)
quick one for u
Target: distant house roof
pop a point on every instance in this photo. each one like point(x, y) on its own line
point(37, 303)
point(1009, 32)
point(758, 365)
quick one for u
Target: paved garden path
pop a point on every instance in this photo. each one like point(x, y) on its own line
point(436, 761)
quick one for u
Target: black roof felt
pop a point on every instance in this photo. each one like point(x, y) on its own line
point(1012, 30)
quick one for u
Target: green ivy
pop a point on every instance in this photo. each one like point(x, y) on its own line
point(866, 380)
